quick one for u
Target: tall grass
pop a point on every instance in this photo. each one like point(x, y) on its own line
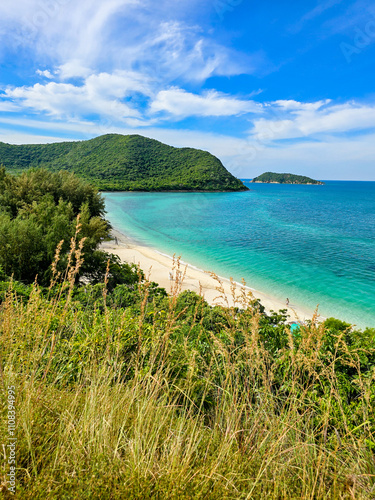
point(111, 404)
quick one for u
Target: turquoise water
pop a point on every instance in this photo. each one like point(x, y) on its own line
point(313, 244)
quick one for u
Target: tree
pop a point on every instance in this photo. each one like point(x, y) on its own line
point(38, 210)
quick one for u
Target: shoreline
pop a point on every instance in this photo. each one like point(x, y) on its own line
point(157, 267)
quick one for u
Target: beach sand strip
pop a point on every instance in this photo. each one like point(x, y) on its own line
point(162, 269)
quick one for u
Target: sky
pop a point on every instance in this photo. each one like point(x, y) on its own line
point(279, 85)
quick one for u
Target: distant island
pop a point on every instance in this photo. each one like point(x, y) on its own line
point(274, 178)
point(116, 162)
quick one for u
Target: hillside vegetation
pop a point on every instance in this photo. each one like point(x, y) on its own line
point(272, 177)
point(122, 163)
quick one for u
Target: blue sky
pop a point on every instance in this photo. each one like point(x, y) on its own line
point(277, 85)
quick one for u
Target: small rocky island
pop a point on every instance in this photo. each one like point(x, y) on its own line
point(274, 178)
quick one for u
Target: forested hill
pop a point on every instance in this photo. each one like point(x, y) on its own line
point(126, 162)
point(274, 178)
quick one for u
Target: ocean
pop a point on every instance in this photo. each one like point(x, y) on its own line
point(312, 244)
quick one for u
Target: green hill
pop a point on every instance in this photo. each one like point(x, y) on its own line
point(274, 178)
point(126, 162)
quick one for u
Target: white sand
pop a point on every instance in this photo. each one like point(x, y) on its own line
point(158, 267)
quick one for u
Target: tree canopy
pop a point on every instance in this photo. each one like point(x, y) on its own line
point(38, 210)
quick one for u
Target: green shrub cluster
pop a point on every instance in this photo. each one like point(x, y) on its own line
point(38, 214)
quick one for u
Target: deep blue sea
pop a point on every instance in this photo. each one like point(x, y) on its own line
point(313, 244)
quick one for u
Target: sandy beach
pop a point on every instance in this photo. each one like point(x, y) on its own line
point(162, 269)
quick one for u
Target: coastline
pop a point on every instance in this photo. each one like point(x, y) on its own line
point(158, 266)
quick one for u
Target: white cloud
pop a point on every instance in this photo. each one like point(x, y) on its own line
point(176, 50)
point(11, 137)
point(74, 68)
point(46, 74)
point(180, 103)
point(71, 127)
point(115, 61)
point(89, 36)
point(103, 94)
point(118, 84)
point(8, 107)
point(59, 28)
point(127, 97)
point(295, 120)
point(291, 105)
point(322, 123)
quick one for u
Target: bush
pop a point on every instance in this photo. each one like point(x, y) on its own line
point(38, 210)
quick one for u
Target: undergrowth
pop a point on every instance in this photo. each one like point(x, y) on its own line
point(169, 398)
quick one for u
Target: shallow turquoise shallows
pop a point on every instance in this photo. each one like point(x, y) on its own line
point(312, 244)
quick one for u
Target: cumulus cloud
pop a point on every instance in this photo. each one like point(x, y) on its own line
point(73, 69)
point(179, 103)
point(105, 95)
point(123, 96)
point(293, 120)
point(46, 74)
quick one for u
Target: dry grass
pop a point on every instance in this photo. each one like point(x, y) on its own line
point(133, 422)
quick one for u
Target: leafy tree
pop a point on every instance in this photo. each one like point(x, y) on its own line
point(38, 210)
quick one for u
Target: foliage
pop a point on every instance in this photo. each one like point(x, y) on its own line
point(38, 210)
point(125, 163)
point(126, 392)
point(270, 177)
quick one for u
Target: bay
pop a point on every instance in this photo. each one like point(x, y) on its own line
point(312, 244)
